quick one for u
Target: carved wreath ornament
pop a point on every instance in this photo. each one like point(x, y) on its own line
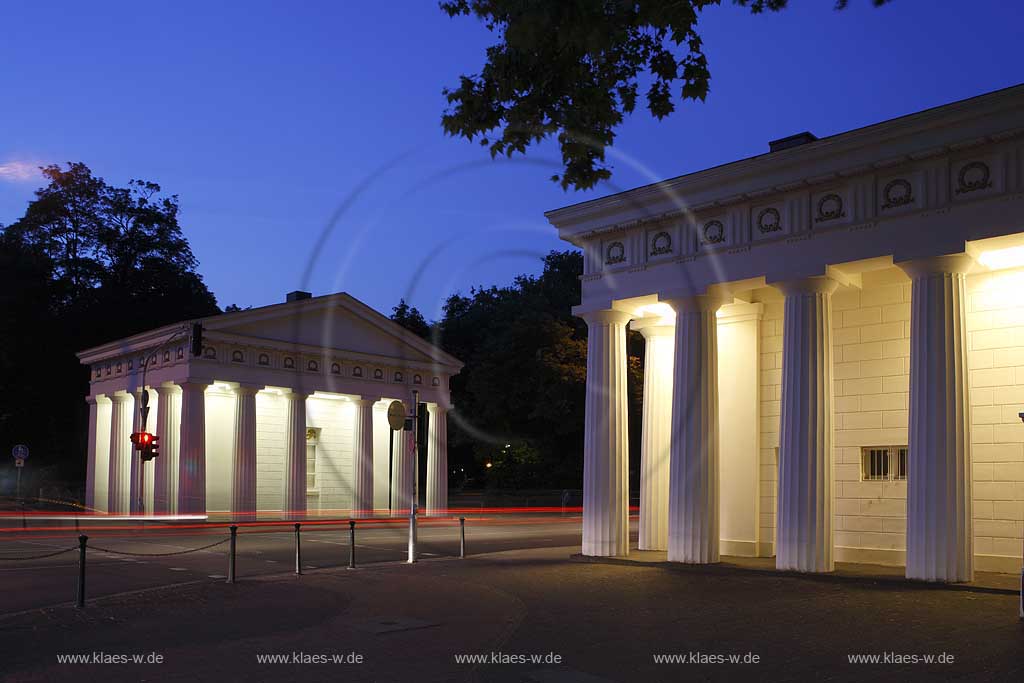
point(897, 192)
point(713, 232)
point(661, 244)
point(972, 177)
point(769, 220)
point(830, 207)
point(616, 253)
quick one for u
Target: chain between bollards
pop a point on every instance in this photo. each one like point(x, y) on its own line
point(462, 537)
point(231, 553)
point(80, 601)
point(351, 544)
point(298, 550)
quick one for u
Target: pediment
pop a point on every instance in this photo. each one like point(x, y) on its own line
point(338, 322)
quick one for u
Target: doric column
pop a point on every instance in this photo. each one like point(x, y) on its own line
point(362, 456)
point(90, 457)
point(243, 466)
point(606, 438)
point(118, 485)
point(656, 433)
point(693, 515)
point(192, 450)
point(402, 469)
point(804, 520)
point(437, 460)
point(295, 456)
point(164, 470)
point(137, 474)
point(939, 526)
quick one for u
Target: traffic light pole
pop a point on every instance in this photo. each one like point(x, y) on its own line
point(413, 473)
point(143, 441)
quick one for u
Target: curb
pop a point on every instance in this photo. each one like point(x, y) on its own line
point(725, 568)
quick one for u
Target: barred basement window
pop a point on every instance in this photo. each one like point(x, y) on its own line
point(883, 463)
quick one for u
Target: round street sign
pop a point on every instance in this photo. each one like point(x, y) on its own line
point(396, 415)
point(20, 452)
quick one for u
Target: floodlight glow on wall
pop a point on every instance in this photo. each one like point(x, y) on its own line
point(1000, 259)
point(660, 309)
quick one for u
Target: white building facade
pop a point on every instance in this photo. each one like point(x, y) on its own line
point(283, 413)
point(835, 350)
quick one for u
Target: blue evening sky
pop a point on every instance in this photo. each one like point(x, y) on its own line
point(271, 119)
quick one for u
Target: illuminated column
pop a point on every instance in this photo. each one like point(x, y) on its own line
point(402, 468)
point(362, 456)
point(295, 456)
point(118, 485)
point(606, 439)
point(939, 527)
point(437, 460)
point(804, 523)
point(137, 473)
point(243, 470)
point(164, 465)
point(90, 458)
point(192, 449)
point(656, 433)
point(693, 508)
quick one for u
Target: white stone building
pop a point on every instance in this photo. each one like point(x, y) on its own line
point(835, 349)
point(284, 411)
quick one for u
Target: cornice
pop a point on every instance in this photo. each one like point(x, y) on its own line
point(882, 135)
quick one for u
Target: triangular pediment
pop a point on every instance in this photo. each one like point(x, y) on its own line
point(337, 322)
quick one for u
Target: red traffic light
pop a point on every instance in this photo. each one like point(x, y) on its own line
point(149, 451)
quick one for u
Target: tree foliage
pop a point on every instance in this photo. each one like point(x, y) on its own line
point(411, 319)
point(573, 68)
point(87, 263)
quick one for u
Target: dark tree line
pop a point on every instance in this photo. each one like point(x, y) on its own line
point(88, 262)
point(519, 401)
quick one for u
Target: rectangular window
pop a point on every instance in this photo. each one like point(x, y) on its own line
point(310, 467)
point(312, 440)
point(884, 463)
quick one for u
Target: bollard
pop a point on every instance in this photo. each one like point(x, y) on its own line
point(231, 553)
point(462, 537)
point(298, 550)
point(82, 540)
point(351, 544)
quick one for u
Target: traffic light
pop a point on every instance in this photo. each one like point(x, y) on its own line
point(146, 444)
point(150, 451)
point(197, 340)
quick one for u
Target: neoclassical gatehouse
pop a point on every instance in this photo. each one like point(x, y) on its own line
point(835, 349)
point(284, 411)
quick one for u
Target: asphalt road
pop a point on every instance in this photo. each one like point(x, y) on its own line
point(31, 584)
point(517, 616)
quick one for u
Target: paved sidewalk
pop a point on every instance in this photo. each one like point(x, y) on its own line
point(585, 622)
point(984, 582)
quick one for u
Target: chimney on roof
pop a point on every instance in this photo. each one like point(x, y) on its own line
point(297, 295)
point(792, 141)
